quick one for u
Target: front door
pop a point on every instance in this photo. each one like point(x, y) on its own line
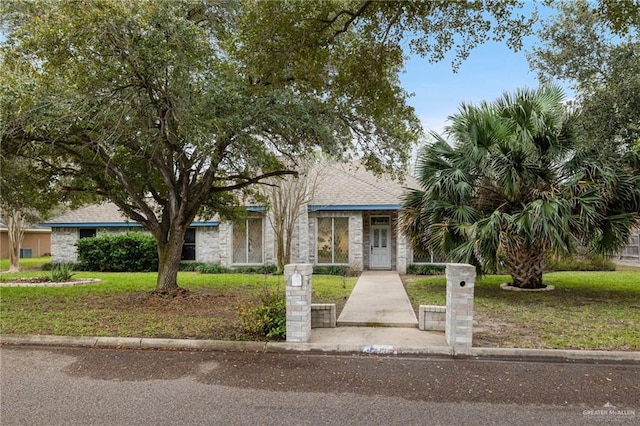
point(380, 241)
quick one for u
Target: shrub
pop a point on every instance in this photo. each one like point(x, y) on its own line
point(191, 266)
point(212, 268)
point(589, 262)
point(262, 269)
point(51, 266)
point(426, 269)
point(266, 316)
point(343, 271)
point(62, 272)
point(129, 252)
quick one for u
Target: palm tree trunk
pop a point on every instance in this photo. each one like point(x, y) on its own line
point(525, 267)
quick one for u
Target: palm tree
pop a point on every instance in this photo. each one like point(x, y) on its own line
point(516, 187)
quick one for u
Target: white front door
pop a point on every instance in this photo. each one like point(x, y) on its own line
point(380, 241)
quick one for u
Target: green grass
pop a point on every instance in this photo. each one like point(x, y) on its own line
point(587, 310)
point(122, 305)
point(26, 264)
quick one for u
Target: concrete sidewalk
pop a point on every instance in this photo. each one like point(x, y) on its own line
point(378, 313)
point(378, 300)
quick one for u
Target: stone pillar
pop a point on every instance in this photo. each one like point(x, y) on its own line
point(298, 279)
point(459, 314)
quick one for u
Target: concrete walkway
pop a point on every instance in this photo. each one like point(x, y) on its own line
point(378, 314)
point(378, 300)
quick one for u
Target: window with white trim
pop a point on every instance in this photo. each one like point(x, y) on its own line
point(333, 240)
point(247, 241)
point(427, 258)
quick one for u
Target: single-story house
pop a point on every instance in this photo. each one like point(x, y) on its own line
point(36, 242)
point(350, 220)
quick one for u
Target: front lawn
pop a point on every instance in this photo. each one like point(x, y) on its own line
point(587, 310)
point(122, 305)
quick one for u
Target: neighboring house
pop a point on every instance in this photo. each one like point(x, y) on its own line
point(36, 243)
point(350, 220)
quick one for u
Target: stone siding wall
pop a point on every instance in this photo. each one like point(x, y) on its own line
point(207, 244)
point(269, 243)
point(63, 245)
point(225, 242)
point(63, 242)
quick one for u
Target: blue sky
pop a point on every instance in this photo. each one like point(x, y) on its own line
point(490, 70)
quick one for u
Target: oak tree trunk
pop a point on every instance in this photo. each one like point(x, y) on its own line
point(526, 266)
point(169, 257)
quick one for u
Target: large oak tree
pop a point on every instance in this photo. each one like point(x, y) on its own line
point(176, 109)
point(594, 47)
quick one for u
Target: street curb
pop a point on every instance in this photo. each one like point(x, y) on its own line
point(506, 354)
point(549, 355)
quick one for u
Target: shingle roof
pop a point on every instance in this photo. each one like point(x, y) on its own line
point(29, 228)
point(339, 186)
point(96, 213)
point(352, 185)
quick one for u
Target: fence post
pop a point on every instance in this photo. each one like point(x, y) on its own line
point(298, 297)
point(459, 315)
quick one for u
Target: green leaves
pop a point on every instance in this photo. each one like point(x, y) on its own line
point(174, 109)
point(516, 185)
point(595, 49)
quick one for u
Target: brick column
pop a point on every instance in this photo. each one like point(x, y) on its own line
point(298, 279)
point(459, 315)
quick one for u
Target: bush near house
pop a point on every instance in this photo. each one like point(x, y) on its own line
point(588, 262)
point(343, 271)
point(415, 269)
point(128, 252)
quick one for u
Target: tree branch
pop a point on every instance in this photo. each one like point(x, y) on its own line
point(352, 17)
point(250, 181)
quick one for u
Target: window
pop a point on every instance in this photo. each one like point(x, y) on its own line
point(427, 258)
point(189, 246)
point(333, 240)
point(26, 253)
point(87, 233)
point(247, 241)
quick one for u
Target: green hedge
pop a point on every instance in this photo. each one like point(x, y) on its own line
point(426, 269)
point(343, 271)
point(128, 252)
point(589, 262)
point(213, 268)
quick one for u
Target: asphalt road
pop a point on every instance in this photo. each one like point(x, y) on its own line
point(78, 386)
